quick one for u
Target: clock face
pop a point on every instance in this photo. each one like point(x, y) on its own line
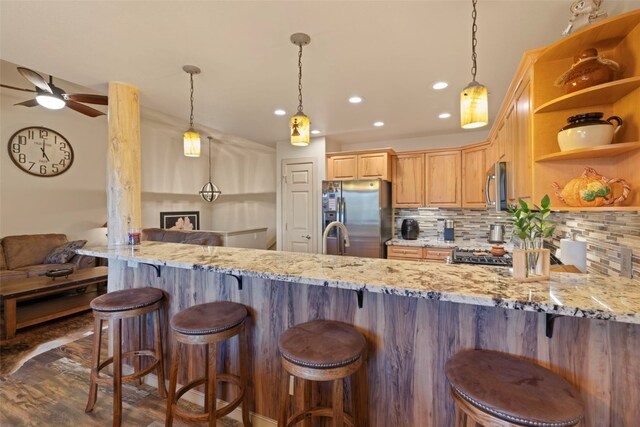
point(40, 151)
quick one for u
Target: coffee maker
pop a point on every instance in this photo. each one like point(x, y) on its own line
point(410, 229)
point(449, 231)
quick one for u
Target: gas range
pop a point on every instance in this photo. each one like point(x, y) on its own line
point(484, 257)
point(480, 256)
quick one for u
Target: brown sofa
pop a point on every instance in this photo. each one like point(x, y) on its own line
point(23, 256)
point(206, 238)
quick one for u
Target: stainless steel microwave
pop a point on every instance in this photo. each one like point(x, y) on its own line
point(496, 186)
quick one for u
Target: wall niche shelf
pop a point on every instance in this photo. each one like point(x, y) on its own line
point(606, 93)
point(609, 150)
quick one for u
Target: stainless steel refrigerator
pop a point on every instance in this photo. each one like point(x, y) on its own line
point(364, 207)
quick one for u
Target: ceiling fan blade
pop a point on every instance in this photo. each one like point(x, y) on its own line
point(29, 103)
point(84, 109)
point(87, 98)
point(35, 78)
point(17, 88)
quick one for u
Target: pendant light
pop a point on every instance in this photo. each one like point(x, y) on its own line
point(191, 138)
point(474, 103)
point(299, 124)
point(209, 192)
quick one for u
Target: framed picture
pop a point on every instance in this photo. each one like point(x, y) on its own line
point(180, 220)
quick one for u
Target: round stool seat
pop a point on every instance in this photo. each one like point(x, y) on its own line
point(513, 389)
point(321, 344)
point(127, 299)
point(209, 318)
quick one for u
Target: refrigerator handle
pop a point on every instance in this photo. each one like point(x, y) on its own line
point(343, 209)
point(487, 193)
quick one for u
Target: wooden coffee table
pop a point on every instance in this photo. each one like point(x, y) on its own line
point(88, 283)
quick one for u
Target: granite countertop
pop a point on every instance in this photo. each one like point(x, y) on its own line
point(579, 295)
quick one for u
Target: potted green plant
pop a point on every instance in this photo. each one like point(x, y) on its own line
point(531, 227)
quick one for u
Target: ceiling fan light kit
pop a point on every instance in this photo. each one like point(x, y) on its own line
point(191, 138)
point(474, 99)
point(52, 97)
point(299, 125)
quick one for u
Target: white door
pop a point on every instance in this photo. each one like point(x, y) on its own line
point(298, 206)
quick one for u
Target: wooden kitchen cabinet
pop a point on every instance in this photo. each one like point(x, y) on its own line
point(414, 253)
point(522, 163)
point(407, 171)
point(443, 181)
point(360, 165)
point(473, 176)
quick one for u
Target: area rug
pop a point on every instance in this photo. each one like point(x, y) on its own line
point(30, 342)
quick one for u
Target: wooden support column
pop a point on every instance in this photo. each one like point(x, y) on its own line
point(123, 162)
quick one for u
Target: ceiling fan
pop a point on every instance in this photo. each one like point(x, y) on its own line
point(50, 96)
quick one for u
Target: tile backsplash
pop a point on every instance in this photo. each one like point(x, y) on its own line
point(604, 232)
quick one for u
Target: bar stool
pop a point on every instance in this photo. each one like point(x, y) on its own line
point(209, 324)
point(323, 350)
point(496, 389)
point(116, 306)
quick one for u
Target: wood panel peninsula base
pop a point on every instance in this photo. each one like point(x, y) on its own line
point(411, 329)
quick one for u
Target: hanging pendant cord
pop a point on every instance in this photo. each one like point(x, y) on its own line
point(191, 117)
point(210, 158)
point(474, 42)
point(300, 79)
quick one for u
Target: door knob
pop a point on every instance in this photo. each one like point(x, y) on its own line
point(307, 237)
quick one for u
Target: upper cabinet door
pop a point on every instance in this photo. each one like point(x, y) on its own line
point(342, 167)
point(408, 180)
point(443, 179)
point(473, 177)
point(374, 165)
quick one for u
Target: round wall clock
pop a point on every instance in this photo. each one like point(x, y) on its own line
point(40, 151)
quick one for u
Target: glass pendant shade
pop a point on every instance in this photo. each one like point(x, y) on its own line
point(474, 106)
point(191, 142)
point(299, 126)
point(50, 101)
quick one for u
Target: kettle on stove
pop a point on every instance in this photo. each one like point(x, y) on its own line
point(496, 233)
point(410, 229)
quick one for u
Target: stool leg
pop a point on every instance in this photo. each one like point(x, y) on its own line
point(212, 353)
point(117, 372)
point(244, 375)
point(284, 399)
point(359, 396)
point(173, 381)
point(159, 354)
point(95, 362)
point(338, 406)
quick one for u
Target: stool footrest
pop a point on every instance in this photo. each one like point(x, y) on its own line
point(221, 412)
point(318, 411)
point(108, 380)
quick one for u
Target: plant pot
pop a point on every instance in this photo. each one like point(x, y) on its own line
point(588, 130)
point(531, 265)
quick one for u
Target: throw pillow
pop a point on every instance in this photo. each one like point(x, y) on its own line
point(63, 253)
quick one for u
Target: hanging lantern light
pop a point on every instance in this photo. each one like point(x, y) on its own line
point(474, 99)
point(209, 192)
point(191, 138)
point(299, 124)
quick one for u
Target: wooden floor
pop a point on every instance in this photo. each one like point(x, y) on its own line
point(51, 390)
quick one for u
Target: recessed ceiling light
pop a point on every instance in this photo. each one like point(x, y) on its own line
point(378, 124)
point(444, 115)
point(315, 131)
point(279, 112)
point(440, 85)
point(355, 100)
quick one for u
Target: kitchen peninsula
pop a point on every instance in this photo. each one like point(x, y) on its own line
point(415, 316)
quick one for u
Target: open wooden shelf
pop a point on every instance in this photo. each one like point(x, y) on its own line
point(598, 209)
point(606, 93)
point(609, 150)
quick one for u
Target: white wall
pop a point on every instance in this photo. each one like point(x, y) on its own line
point(418, 143)
point(75, 202)
point(315, 150)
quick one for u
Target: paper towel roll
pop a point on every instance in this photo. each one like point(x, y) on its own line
point(574, 252)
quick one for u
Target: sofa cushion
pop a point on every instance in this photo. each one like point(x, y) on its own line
point(20, 251)
point(7, 275)
point(64, 252)
point(40, 269)
point(153, 234)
